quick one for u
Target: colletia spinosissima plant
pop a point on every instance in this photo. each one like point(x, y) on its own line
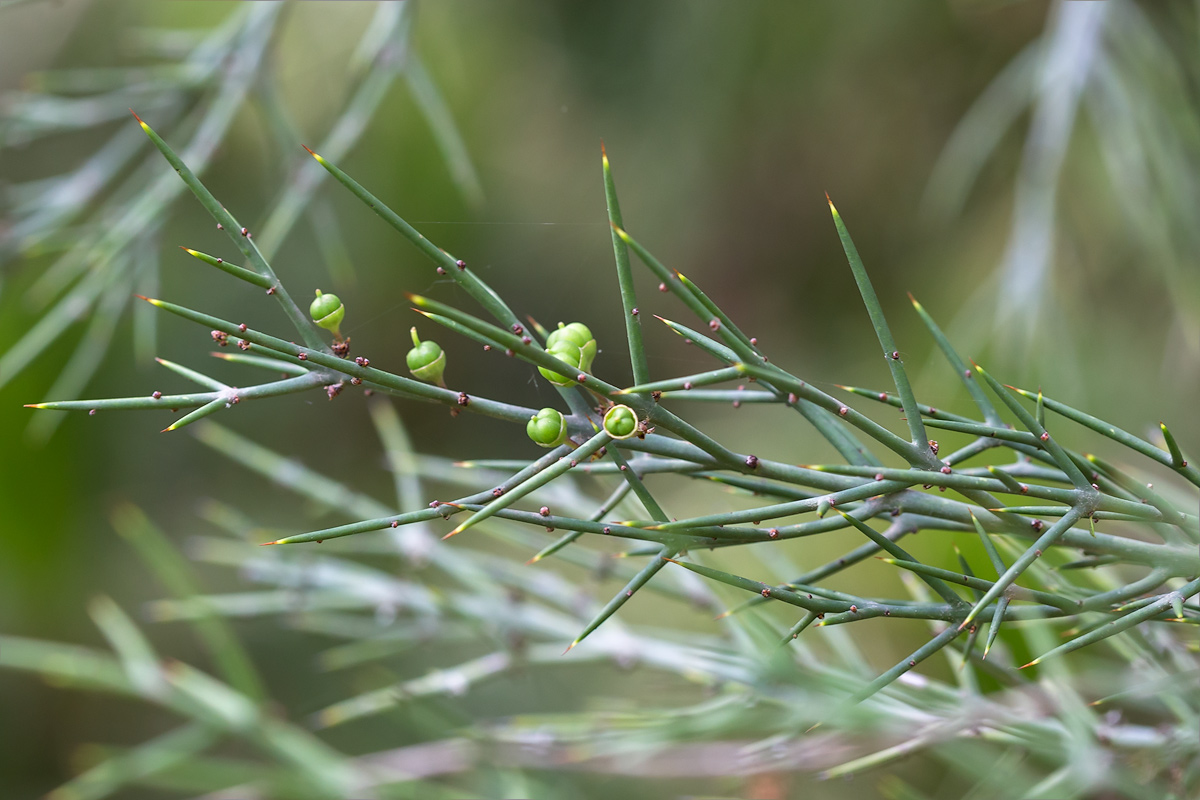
point(1061, 496)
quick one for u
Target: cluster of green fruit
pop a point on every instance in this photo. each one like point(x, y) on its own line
point(571, 343)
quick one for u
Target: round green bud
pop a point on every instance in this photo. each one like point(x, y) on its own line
point(327, 311)
point(579, 335)
point(426, 361)
point(547, 428)
point(567, 352)
point(620, 422)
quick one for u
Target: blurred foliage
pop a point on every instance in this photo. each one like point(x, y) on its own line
point(727, 122)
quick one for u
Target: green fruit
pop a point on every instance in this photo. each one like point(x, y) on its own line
point(327, 311)
point(579, 335)
point(547, 428)
point(620, 422)
point(567, 352)
point(426, 361)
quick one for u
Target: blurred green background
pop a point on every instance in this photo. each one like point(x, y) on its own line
point(725, 123)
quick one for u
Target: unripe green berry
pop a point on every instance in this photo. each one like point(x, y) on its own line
point(426, 361)
point(579, 335)
point(547, 428)
point(620, 422)
point(327, 311)
point(567, 352)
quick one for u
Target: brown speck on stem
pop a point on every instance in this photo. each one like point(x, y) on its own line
point(714, 324)
point(91, 412)
point(662, 287)
point(544, 511)
point(302, 356)
point(463, 399)
point(271, 290)
point(460, 264)
point(355, 381)
point(156, 395)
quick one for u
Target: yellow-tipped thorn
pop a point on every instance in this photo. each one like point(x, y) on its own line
point(454, 532)
point(571, 645)
point(723, 615)
point(266, 544)
point(603, 154)
point(815, 725)
point(533, 560)
point(35, 405)
point(1030, 664)
point(913, 300)
point(314, 155)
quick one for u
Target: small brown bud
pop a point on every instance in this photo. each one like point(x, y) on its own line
point(156, 395)
point(544, 511)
